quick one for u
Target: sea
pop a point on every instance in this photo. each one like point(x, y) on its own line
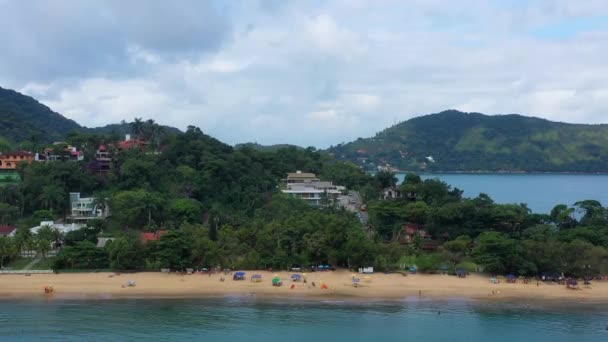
point(249, 319)
point(541, 192)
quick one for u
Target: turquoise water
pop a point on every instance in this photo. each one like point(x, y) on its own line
point(540, 191)
point(234, 319)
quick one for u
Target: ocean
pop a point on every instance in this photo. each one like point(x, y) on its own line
point(247, 319)
point(540, 191)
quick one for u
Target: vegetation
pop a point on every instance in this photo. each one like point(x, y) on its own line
point(27, 124)
point(221, 206)
point(459, 141)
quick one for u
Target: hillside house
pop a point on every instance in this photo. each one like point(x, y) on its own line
point(308, 187)
point(301, 177)
point(391, 193)
point(63, 228)
point(7, 230)
point(85, 209)
point(9, 161)
point(68, 153)
point(147, 237)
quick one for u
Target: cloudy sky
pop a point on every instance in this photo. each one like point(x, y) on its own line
point(306, 72)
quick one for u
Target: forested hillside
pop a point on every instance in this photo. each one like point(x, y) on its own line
point(457, 141)
point(22, 118)
point(25, 120)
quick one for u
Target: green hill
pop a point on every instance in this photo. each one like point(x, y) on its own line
point(125, 128)
point(458, 141)
point(22, 118)
point(266, 148)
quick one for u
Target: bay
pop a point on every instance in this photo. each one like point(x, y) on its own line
point(541, 192)
point(247, 319)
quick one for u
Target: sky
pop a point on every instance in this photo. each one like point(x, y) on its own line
point(310, 73)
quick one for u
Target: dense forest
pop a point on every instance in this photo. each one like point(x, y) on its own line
point(458, 141)
point(221, 206)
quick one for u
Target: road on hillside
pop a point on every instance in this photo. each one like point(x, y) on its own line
point(352, 202)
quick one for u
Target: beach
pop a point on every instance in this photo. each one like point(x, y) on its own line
point(339, 285)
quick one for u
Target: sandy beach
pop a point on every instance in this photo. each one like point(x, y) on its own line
point(378, 286)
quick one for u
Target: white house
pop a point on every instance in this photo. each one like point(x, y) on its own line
point(63, 228)
point(86, 208)
point(308, 187)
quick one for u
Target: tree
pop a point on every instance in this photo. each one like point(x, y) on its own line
point(386, 179)
point(52, 196)
point(43, 246)
point(131, 208)
point(495, 252)
point(8, 213)
point(174, 251)
point(185, 209)
point(8, 249)
point(23, 238)
point(119, 251)
point(137, 127)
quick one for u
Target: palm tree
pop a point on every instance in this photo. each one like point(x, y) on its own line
point(158, 133)
point(137, 127)
point(56, 237)
point(151, 201)
point(51, 195)
point(118, 249)
point(43, 246)
point(8, 249)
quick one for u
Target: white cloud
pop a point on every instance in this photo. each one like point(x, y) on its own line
point(308, 73)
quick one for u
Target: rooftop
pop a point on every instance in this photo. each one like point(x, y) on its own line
point(6, 229)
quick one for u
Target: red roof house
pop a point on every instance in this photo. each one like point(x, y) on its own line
point(145, 237)
point(6, 230)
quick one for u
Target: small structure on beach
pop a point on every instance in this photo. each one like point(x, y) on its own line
point(256, 278)
point(238, 276)
point(276, 281)
point(296, 277)
point(572, 284)
point(511, 278)
point(460, 273)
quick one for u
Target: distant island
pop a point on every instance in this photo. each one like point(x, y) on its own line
point(472, 142)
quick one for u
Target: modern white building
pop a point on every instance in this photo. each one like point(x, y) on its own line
point(64, 228)
point(300, 177)
point(308, 187)
point(86, 208)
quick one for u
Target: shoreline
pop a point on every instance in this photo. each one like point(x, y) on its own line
point(378, 288)
point(529, 173)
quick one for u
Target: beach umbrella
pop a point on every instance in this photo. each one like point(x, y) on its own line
point(276, 280)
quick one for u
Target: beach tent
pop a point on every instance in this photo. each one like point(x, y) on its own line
point(276, 281)
point(296, 277)
point(256, 278)
point(461, 273)
point(413, 269)
point(511, 278)
point(572, 284)
point(238, 276)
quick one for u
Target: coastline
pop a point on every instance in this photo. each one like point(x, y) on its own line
point(481, 172)
point(380, 287)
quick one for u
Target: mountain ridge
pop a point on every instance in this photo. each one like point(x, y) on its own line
point(23, 118)
point(458, 141)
